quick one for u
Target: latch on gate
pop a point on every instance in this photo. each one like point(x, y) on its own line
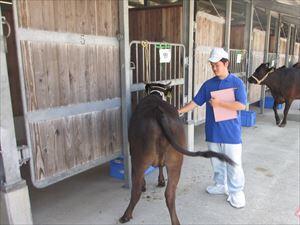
point(24, 154)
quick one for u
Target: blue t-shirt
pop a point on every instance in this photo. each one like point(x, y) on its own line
point(228, 131)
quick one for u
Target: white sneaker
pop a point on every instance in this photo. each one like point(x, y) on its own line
point(237, 200)
point(217, 189)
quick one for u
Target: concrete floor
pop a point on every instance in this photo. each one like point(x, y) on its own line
point(271, 165)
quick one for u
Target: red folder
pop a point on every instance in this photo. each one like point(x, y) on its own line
point(226, 95)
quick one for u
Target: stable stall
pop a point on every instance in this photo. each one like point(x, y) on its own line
point(70, 85)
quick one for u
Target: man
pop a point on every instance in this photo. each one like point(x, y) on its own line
point(223, 136)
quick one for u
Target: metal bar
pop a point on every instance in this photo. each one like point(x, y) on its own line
point(125, 83)
point(137, 63)
point(141, 86)
point(143, 62)
point(188, 29)
point(155, 62)
point(9, 153)
point(149, 63)
point(175, 76)
point(71, 38)
point(278, 40)
point(72, 110)
point(248, 40)
point(287, 50)
point(228, 24)
point(266, 59)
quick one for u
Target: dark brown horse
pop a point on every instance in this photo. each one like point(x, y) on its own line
point(157, 138)
point(284, 84)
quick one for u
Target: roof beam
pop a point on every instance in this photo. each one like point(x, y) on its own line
point(278, 7)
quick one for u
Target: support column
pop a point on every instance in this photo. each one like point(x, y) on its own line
point(125, 83)
point(248, 37)
point(287, 51)
point(293, 43)
point(266, 59)
point(14, 197)
point(228, 24)
point(188, 36)
point(277, 47)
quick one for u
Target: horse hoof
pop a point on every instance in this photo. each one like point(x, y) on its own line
point(282, 124)
point(278, 122)
point(161, 184)
point(143, 189)
point(124, 219)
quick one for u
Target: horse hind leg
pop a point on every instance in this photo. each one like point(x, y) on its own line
point(285, 112)
point(136, 191)
point(275, 111)
point(170, 193)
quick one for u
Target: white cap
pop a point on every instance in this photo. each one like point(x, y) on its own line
point(217, 54)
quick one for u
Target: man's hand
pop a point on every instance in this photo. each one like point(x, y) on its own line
point(227, 105)
point(215, 102)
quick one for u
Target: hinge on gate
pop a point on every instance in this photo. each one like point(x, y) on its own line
point(120, 36)
point(195, 26)
point(186, 61)
point(24, 154)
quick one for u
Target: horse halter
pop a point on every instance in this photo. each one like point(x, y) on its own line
point(265, 77)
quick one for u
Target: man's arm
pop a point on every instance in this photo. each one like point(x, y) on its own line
point(188, 107)
point(235, 106)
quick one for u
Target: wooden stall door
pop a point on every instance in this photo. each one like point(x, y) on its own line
point(71, 84)
point(209, 34)
point(257, 59)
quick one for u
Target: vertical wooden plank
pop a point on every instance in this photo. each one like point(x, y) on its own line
point(51, 66)
point(91, 17)
point(60, 16)
point(115, 17)
point(39, 167)
point(35, 14)
point(82, 75)
point(104, 132)
point(23, 15)
point(48, 152)
point(109, 73)
point(81, 23)
point(63, 74)
point(95, 135)
point(59, 145)
point(101, 76)
point(29, 76)
point(90, 78)
point(40, 76)
point(103, 17)
point(69, 124)
point(70, 10)
point(48, 15)
point(86, 130)
point(73, 53)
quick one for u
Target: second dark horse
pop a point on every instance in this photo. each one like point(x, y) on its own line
point(157, 138)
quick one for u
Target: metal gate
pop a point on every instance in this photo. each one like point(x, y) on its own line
point(148, 65)
point(238, 63)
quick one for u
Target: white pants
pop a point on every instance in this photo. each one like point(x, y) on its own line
point(225, 174)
